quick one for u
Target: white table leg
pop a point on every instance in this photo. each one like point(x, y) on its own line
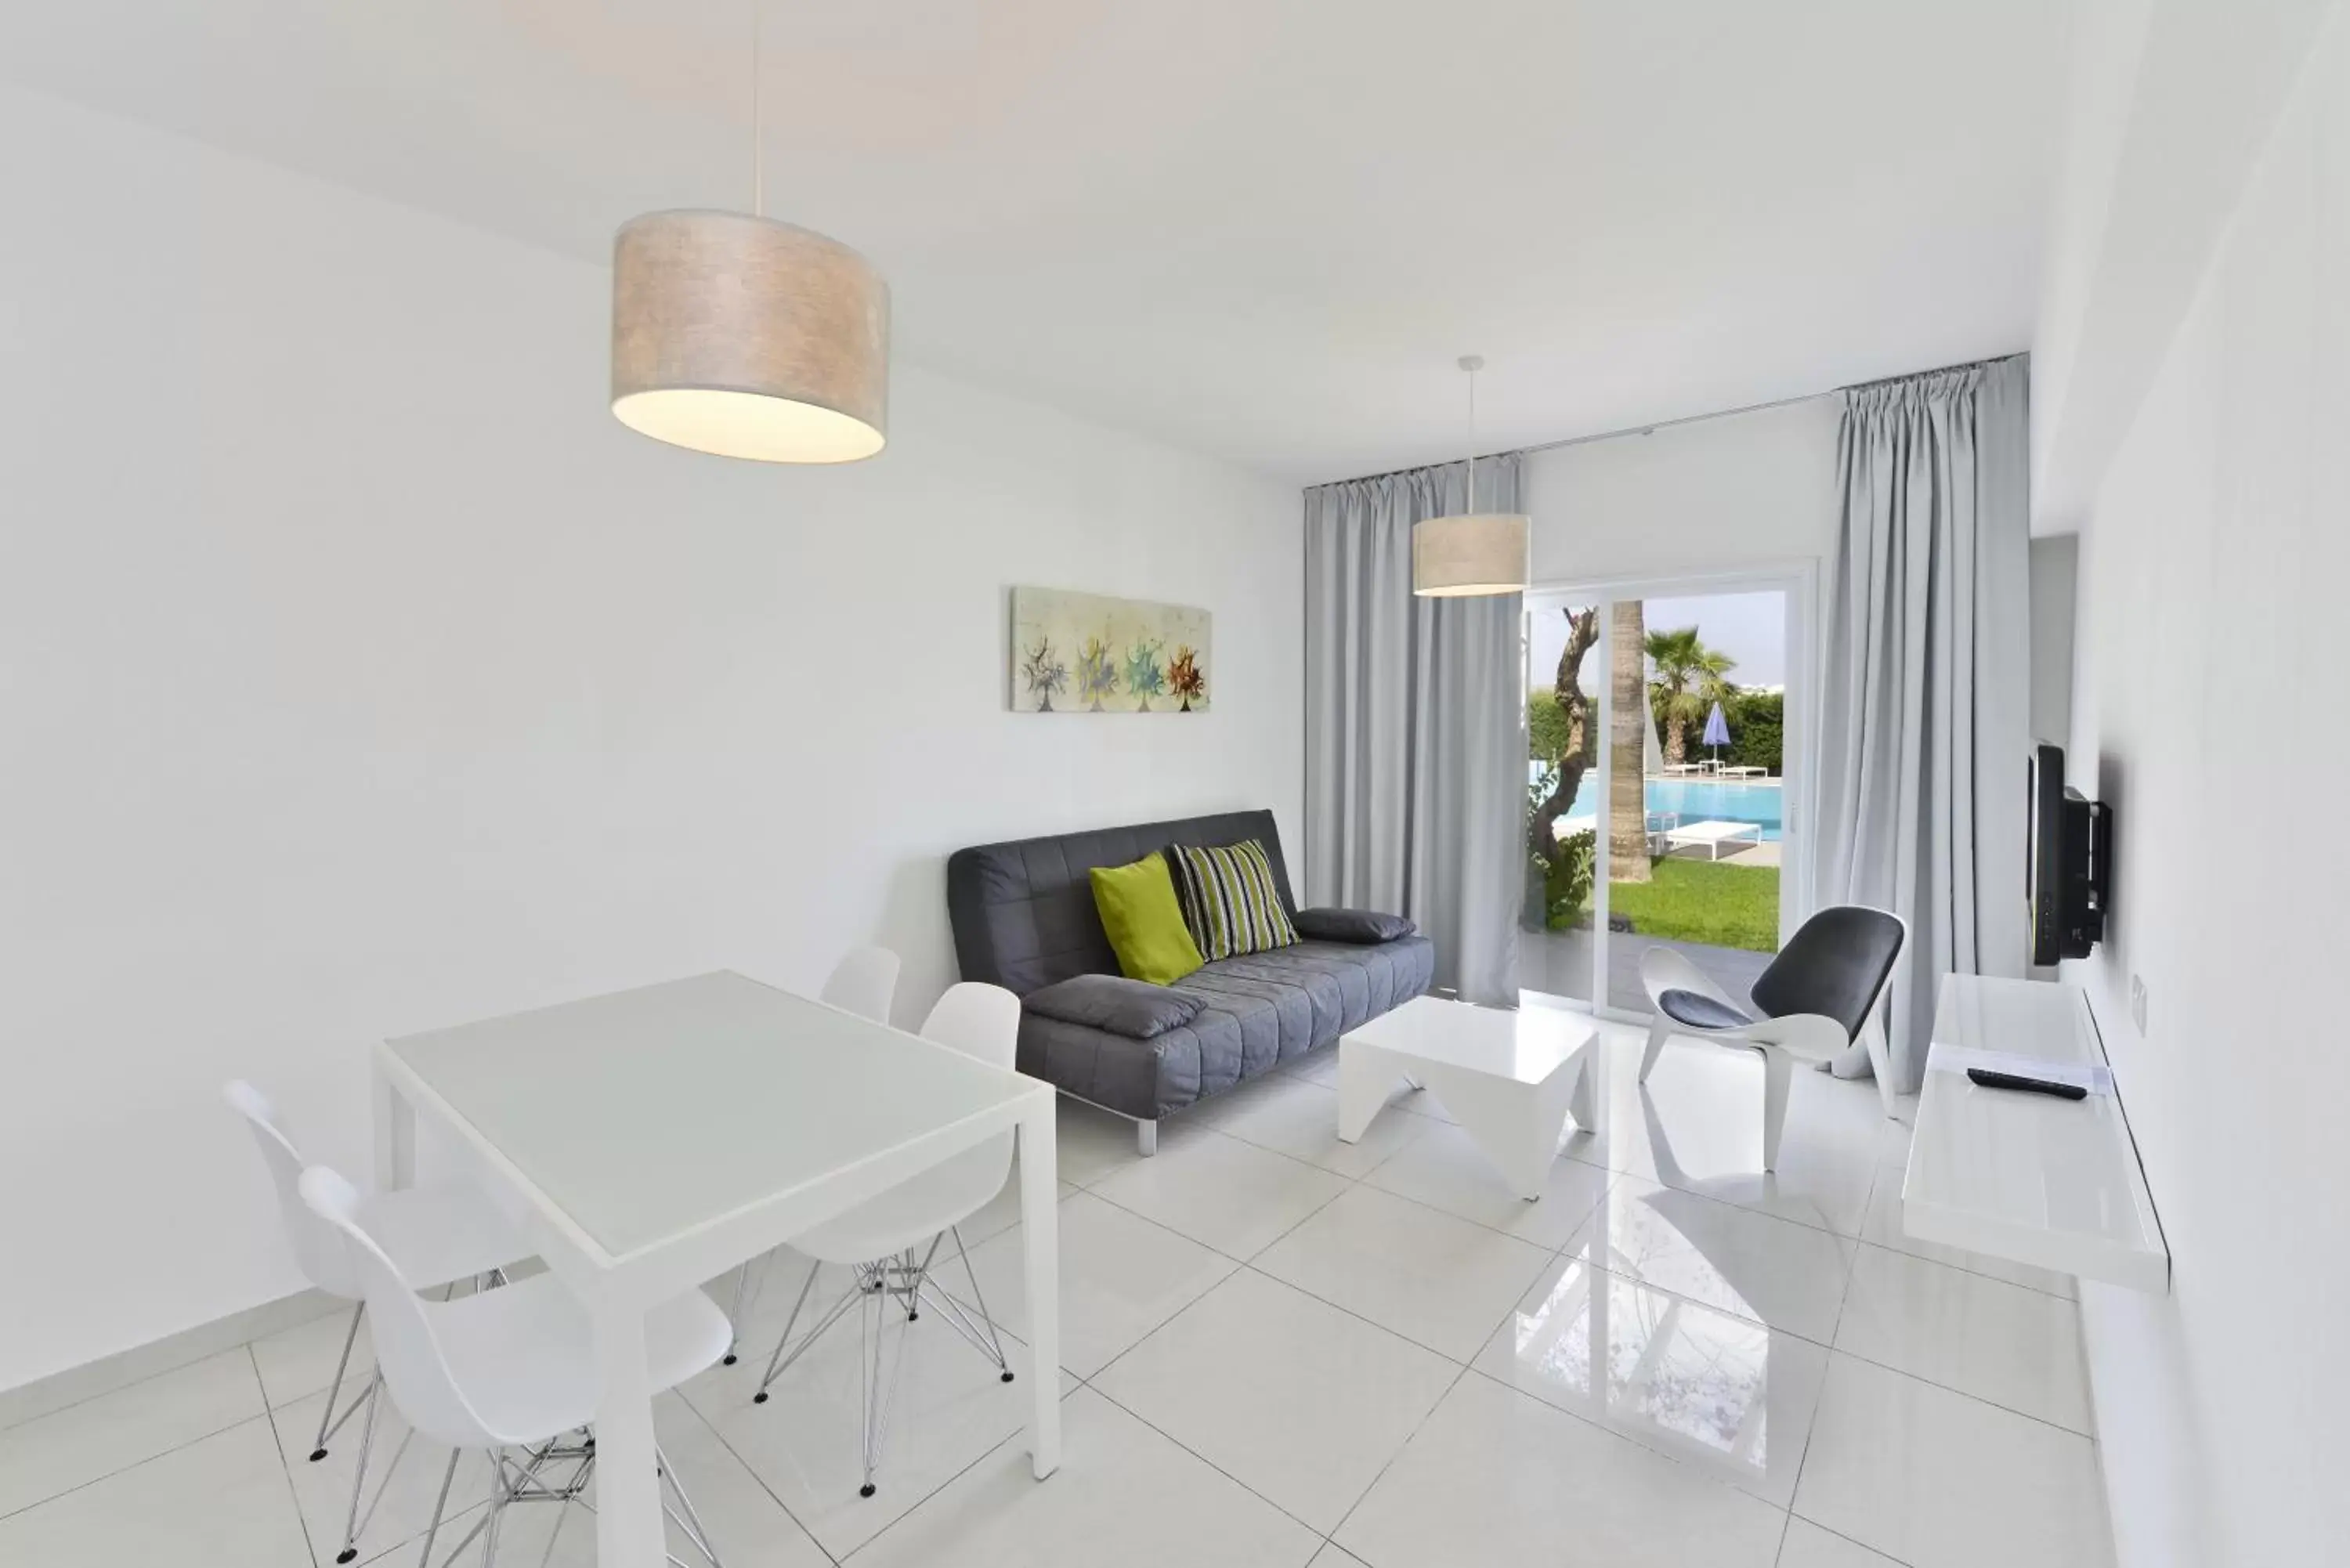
point(1364, 1078)
point(629, 1532)
point(1583, 1105)
point(1040, 1249)
point(395, 1136)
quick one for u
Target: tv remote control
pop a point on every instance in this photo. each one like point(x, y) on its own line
point(1990, 1080)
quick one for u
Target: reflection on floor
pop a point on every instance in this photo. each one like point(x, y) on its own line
point(1281, 1350)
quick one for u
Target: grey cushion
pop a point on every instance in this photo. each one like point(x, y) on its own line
point(1700, 1011)
point(1352, 925)
point(1134, 1008)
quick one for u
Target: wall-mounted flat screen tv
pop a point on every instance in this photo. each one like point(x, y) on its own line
point(2069, 863)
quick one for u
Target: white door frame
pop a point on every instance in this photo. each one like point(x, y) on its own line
point(1798, 579)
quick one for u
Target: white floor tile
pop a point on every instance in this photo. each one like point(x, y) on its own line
point(1121, 1276)
point(1999, 1342)
point(1717, 1392)
point(1299, 1117)
point(1883, 1227)
point(1336, 1556)
point(298, 1362)
point(221, 1502)
point(400, 1496)
point(1446, 1169)
point(1789, 1276)
point(1090, 1142)
point(1296, 1400)
point(1438, 1281)
point(1809, 1546)
point(1221, 1192)
point(949, 1408)
point(73, 1447)
point(1494, 1476)
point(1124, 1493)
point(1936, 1479)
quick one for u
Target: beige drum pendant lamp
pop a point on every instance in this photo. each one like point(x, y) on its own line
point(738, 334)
point(1472, 552)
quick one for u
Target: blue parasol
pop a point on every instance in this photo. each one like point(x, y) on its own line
point(1717, 733)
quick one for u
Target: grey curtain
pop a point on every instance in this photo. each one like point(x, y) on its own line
point(1925, 680)
point(1415, 726)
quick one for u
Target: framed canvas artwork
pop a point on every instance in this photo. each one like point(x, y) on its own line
point(1087, 653)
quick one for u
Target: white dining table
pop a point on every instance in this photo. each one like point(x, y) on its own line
point(657, 1137)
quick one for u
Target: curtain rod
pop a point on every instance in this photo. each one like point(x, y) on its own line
point(1655, 425)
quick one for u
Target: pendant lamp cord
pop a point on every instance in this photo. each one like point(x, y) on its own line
point(1472, 441)
point(758, 143)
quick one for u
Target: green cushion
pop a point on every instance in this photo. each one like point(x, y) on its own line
point(1144, 922)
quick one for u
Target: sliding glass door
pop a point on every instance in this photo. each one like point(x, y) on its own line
point(1662, 730)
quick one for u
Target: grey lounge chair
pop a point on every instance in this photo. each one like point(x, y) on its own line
point(1817, 997)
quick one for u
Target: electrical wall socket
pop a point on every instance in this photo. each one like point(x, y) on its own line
point(2138, 1004)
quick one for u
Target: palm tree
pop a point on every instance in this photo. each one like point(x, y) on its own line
point(1690, 677)
point(1628, 733)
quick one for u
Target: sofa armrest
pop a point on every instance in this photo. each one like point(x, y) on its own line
point(1362, 926)
point(1133, 1008)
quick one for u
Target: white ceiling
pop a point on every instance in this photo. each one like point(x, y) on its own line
point(1261, 228)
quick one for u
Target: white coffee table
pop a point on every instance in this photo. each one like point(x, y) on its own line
point(1510, 1079)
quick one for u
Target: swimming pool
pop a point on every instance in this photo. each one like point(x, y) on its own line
point(1698, 800)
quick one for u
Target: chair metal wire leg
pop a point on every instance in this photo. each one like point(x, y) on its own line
point(327, 1422)
point(878, 1399)
point(687, 1518)
point(743, 1297)
point(440, 1506)
point(785, 1351)
point(374, 1397)
point(994, 1341)
point(499, 1495)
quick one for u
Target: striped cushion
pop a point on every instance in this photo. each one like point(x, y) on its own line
point(1231, 900)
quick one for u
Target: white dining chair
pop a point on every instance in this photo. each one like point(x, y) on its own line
point(865, 981)
point(890, 1243)
point(509, 1369)
point(440, 1234)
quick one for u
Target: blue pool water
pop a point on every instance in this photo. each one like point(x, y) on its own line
point(1698, 801)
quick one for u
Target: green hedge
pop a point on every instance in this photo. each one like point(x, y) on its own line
point(1756, 720)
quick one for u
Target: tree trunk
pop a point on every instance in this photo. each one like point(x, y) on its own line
point(1628, 733)
point(1542, 832)
point(1676, 746)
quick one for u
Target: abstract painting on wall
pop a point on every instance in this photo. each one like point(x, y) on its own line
point(1083, 653)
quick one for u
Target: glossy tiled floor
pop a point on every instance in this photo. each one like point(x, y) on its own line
point(1285, 1351)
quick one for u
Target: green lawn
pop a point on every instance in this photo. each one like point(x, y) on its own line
point(1721, 904)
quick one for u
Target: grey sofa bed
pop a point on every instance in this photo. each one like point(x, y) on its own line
point(1023, 919)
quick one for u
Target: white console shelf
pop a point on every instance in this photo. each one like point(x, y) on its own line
point(2028, 1177)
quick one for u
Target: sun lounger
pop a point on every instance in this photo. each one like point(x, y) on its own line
point(1677, 768)
point(1713, 835)
point(1747, 771)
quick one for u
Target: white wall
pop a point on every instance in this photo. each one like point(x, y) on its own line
point(2055, 586)
point(358, 673)
point(1713, 496)
point(2211, 578)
